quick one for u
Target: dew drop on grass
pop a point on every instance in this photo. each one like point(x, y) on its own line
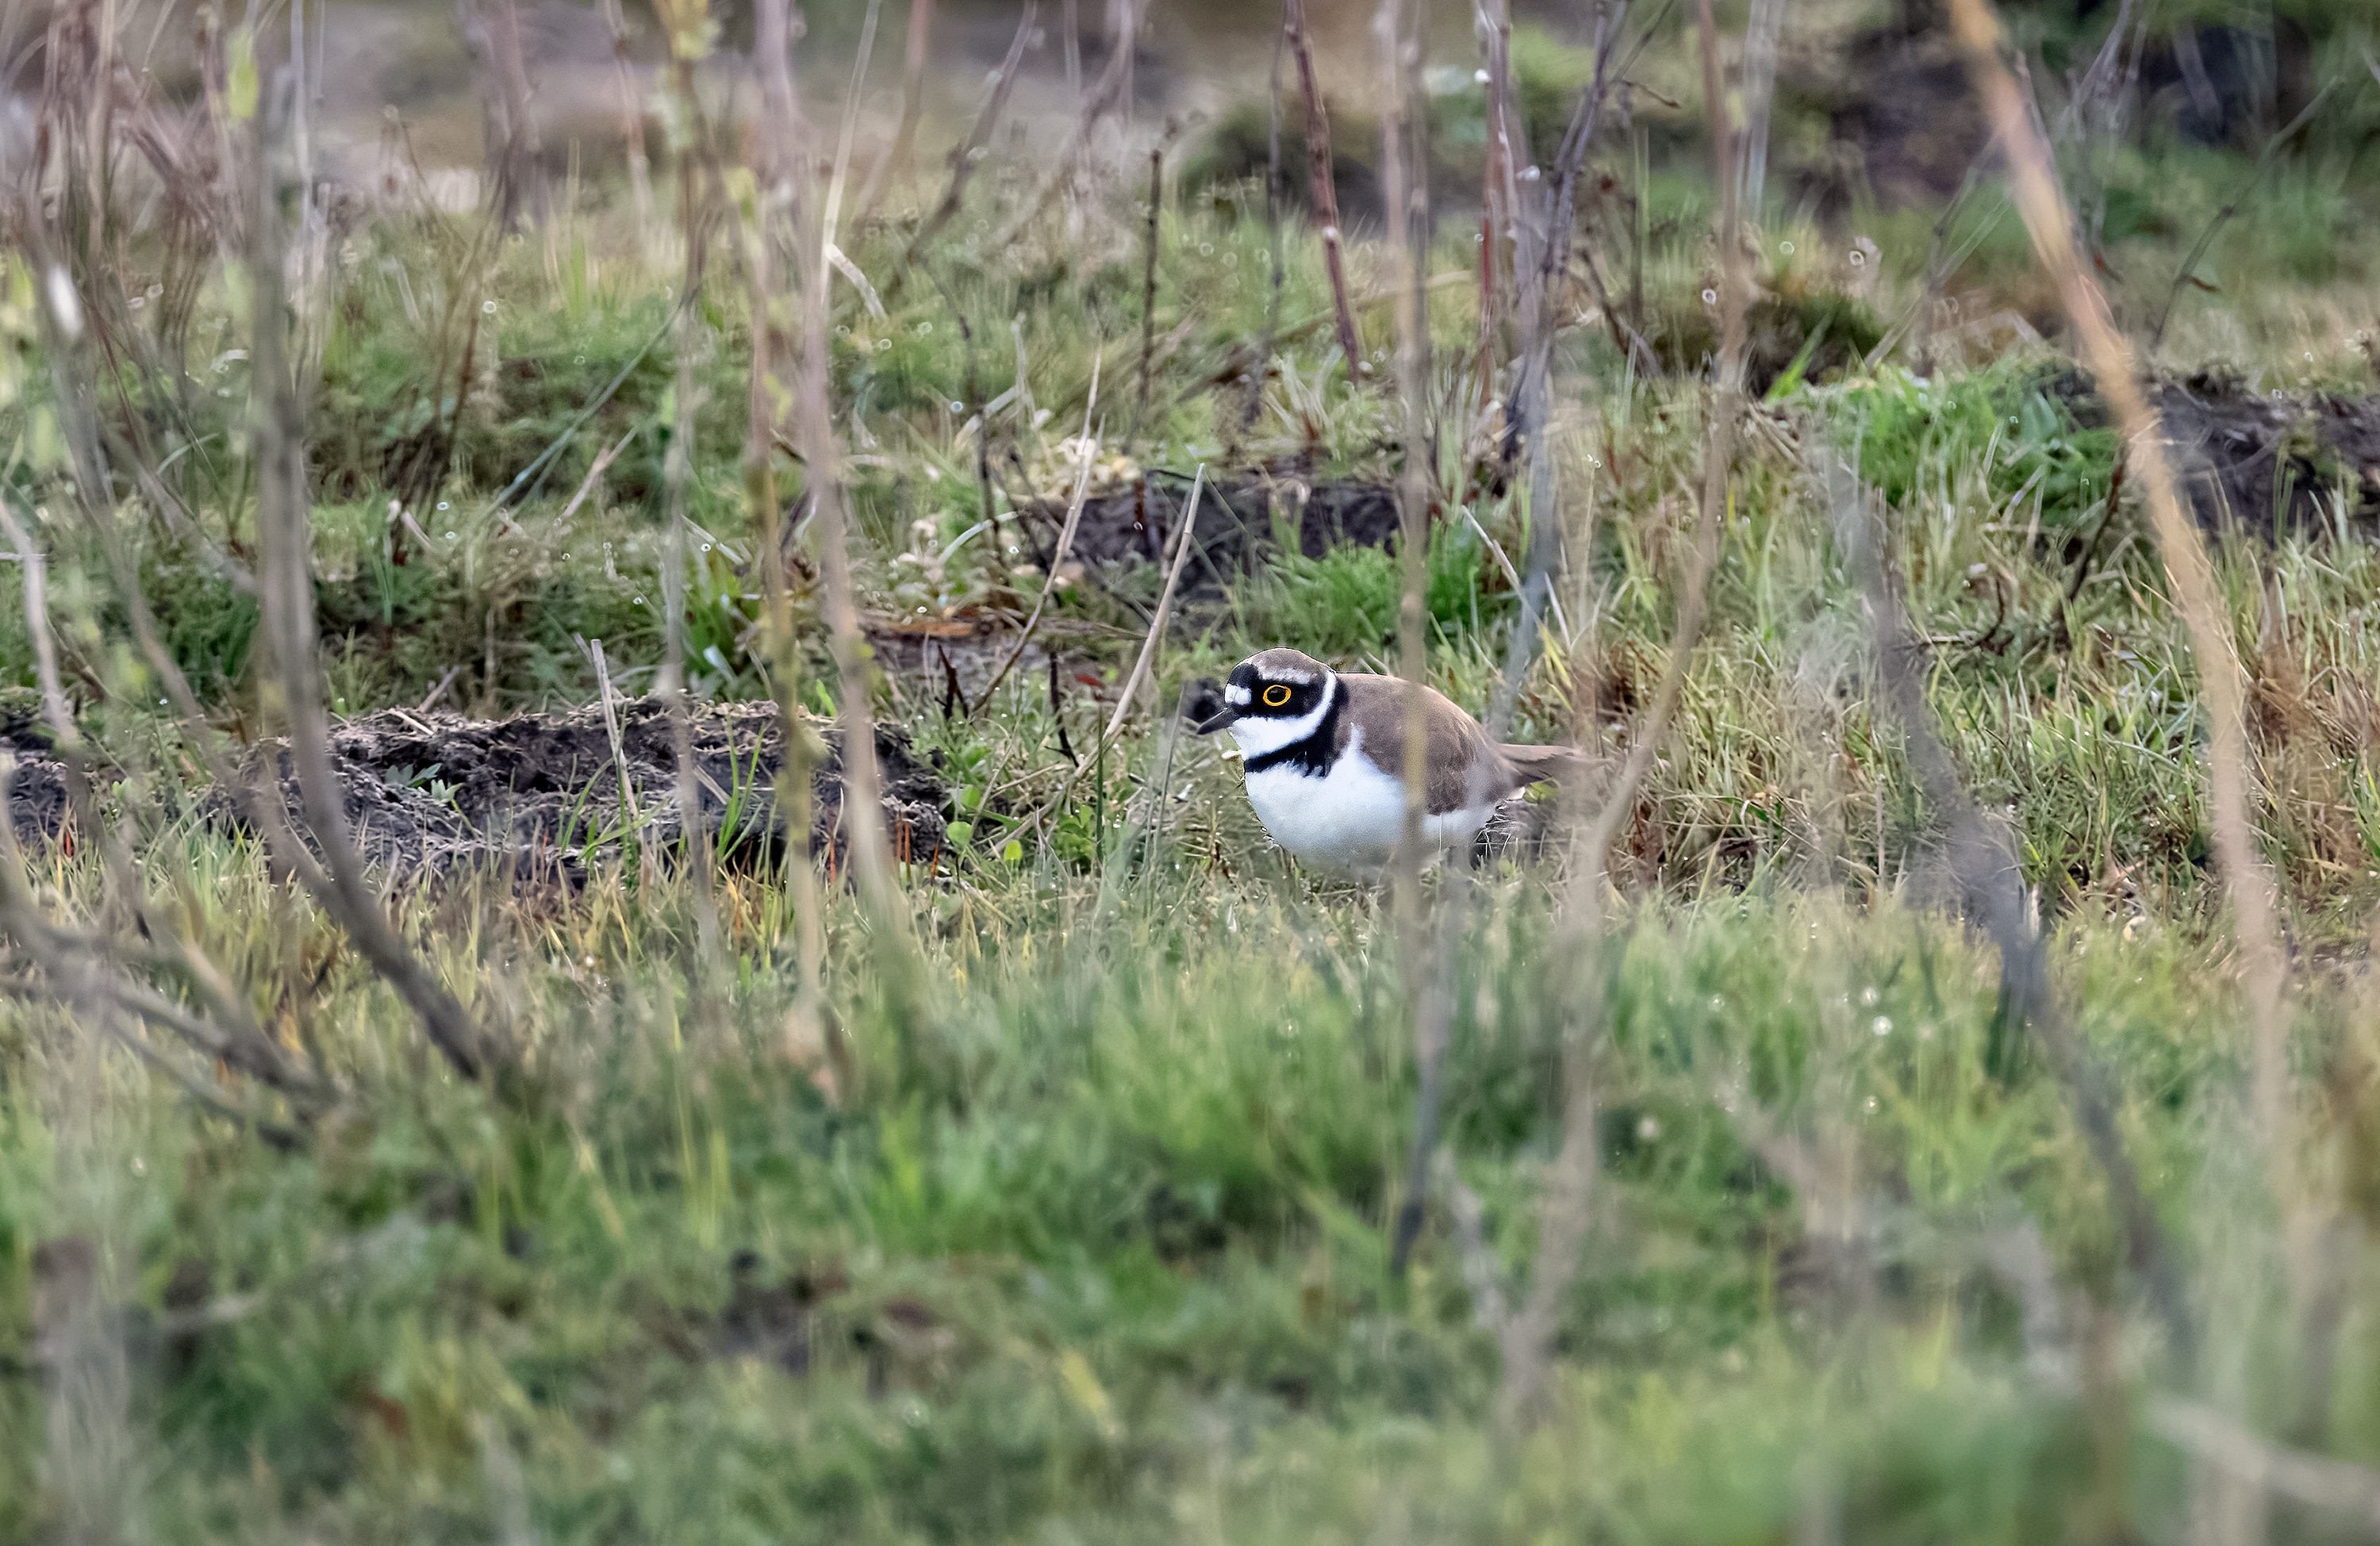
point(1881, 1026)
point(1710, 297)
point(1868, 996)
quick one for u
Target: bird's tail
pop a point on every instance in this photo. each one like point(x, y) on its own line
point(1541, 764)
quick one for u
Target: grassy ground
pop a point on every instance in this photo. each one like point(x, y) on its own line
point(1064, 1213)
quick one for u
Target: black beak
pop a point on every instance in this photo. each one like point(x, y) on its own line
point(1220, 721)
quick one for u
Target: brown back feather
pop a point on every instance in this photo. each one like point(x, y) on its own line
point(1457, 750)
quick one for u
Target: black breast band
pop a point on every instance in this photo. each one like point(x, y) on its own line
point(1313, 753)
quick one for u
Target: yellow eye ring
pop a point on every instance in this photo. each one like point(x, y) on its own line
point(1275, 696)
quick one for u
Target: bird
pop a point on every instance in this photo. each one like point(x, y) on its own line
point(1324, 753)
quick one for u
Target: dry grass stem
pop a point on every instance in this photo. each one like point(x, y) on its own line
point(1564, 1216)
point(894, 162)
point(1407, 193)
point(286, 586)
point(1149, 644)
point(2034, 176)
point(862, 808)
point(1089, 447)
point(777, 155)
point(1980, 857)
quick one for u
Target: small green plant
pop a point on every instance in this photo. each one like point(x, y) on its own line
point(1342, 605)
point(2019, 422)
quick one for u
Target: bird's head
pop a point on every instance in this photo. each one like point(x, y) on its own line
point(1273, 699)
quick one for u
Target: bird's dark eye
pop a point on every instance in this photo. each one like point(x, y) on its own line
point(1275, 696)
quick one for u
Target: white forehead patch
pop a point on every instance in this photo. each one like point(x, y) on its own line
point(1235, 695)
point(1303, 678)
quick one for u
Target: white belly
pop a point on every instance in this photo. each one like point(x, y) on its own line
point(1351, 819)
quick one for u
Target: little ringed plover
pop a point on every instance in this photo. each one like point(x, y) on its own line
point(1324, 753)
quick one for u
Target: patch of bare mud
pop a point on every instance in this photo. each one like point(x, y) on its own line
point(1240, 517)
point(546, 793)
point(2269, 462)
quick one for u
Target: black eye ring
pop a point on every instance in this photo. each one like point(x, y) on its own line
point(1275, 696)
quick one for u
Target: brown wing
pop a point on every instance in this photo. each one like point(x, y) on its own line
point(1542, 765)
point(1458, 751)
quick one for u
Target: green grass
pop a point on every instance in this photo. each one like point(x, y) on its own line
point(1091, 1250)
point(1064, 1214)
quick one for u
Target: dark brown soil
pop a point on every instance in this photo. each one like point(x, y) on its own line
point(2268, 463)
point(37, 786)
point(1235, 522)
point(541, 792)
point(544, 793)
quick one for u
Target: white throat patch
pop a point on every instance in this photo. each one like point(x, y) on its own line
point(1257, 736)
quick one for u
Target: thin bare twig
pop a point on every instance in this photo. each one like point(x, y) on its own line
point(965, 155)
point(1324, 186)
point(2254, 180)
